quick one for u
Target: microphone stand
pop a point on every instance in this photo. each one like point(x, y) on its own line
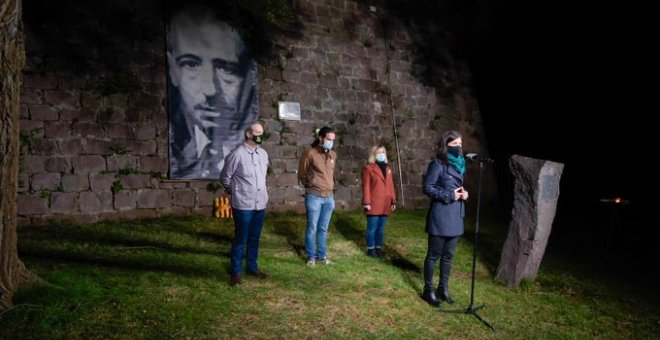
point(471, 309)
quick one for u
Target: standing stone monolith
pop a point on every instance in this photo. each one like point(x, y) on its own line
point(536, 191)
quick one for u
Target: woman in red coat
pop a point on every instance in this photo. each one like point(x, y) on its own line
point(378, 200)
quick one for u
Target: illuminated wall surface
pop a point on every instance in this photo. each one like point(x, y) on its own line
point(88, 156)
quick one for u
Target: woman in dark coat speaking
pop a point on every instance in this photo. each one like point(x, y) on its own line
point(443, 183)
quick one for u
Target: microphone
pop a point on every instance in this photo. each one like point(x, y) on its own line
point(476, 158)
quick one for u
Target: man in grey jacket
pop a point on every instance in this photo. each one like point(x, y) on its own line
point(244, 176)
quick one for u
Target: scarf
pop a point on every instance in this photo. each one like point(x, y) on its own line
point(457, 162)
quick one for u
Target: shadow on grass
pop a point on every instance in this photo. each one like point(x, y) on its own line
point(130, 264)
point(119, 241)
point(347, 228)
point(492, 232)
point(286, 227)
point(147, 245)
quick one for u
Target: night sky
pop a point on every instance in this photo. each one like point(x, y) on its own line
point(547, 77)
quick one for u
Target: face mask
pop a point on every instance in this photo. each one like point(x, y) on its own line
point(454, 150)
point(380, 157)
point(328, 144)
point(257, 139)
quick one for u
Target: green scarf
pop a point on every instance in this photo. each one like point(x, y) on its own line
point(457, 162)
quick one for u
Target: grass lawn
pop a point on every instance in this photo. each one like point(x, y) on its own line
point(168, 278)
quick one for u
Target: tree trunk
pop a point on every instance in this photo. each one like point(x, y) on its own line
point(12, 59)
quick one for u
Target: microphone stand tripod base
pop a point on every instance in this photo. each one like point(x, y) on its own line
point(469, 310)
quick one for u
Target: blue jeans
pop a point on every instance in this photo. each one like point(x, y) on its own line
point(375, 230)
point(247, 230)
point(319, 211)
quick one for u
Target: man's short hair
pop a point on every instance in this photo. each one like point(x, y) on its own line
point(194, 15)
point(248, 128)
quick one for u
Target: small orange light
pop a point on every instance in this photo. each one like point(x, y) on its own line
point(616, 200)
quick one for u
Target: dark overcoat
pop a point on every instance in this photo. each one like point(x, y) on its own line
point(445, 215)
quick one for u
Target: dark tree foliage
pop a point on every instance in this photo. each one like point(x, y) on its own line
point(256, 20)
point(88, 36)
point(92, 36)
point(445, 34)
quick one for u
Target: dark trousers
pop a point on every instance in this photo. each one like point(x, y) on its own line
point(442, 248)
point(247, 230)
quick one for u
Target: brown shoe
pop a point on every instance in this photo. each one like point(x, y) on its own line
point(258, 274)
point(235, 279)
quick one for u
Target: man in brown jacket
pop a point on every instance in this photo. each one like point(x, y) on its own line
point(316, 174)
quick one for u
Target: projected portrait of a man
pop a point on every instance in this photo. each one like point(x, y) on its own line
point(212, 92)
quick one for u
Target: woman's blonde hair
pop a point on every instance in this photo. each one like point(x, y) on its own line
point(372, 155)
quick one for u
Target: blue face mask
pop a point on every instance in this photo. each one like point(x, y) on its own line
point(328, 144)
point(380, 157)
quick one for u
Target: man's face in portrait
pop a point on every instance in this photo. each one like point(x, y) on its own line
point(204, 62)
point(212, 91)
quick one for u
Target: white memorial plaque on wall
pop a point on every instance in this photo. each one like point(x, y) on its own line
point(289, 110)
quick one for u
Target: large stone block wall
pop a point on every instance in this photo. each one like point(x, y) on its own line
point(88, 156)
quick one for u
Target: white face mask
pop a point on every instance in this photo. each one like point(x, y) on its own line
point(380, 157)
point(328, 144)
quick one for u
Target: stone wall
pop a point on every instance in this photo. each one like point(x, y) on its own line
point(88, 156)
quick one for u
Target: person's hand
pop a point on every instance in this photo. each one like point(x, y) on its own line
point(393, 207)
point(367, 207)
point(465, 195)
point(206, 115)
point(458, 193)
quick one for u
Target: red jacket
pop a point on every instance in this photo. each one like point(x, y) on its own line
point(377, 191)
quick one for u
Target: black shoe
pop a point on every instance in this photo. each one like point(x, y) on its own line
point(371, 252)
point(429, 296)
point(379, 253)
point(258, 274)
point(443, 295)
point(235, 279)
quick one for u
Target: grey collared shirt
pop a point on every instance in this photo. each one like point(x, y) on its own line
point(244, 174)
